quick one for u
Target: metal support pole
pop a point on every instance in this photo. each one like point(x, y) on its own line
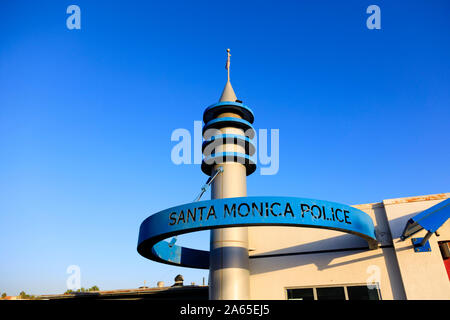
point(425, 239)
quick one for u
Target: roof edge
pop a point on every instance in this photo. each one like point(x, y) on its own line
point(387, 202)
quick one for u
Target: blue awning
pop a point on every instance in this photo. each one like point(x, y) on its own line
point(430, 219)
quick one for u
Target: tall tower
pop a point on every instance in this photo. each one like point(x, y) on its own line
point(227, 132)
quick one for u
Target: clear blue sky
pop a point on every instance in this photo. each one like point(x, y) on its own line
point(86, 118)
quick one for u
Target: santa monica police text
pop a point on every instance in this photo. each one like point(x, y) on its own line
point(246, 210)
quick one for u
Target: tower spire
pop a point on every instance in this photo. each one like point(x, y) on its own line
point(227, 66)
point(228, 92)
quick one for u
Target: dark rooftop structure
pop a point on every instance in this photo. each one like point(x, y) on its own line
point(165, 293)
point(176, 292)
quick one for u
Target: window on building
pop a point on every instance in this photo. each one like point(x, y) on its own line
point(362, 293)
point(331, 293)
point(301, 294)
point(444, 246)
point(345, 292)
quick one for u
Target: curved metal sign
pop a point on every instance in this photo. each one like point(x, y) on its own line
point(243, 212)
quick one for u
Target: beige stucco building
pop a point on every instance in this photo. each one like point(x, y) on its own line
point(303, 263)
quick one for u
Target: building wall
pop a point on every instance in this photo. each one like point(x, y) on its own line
point(287, 257)
point(423, 274)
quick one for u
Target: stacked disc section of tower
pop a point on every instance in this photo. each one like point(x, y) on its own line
point(228, 132)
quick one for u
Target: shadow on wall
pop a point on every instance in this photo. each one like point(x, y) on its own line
point(322, 253)
point(303, 255)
